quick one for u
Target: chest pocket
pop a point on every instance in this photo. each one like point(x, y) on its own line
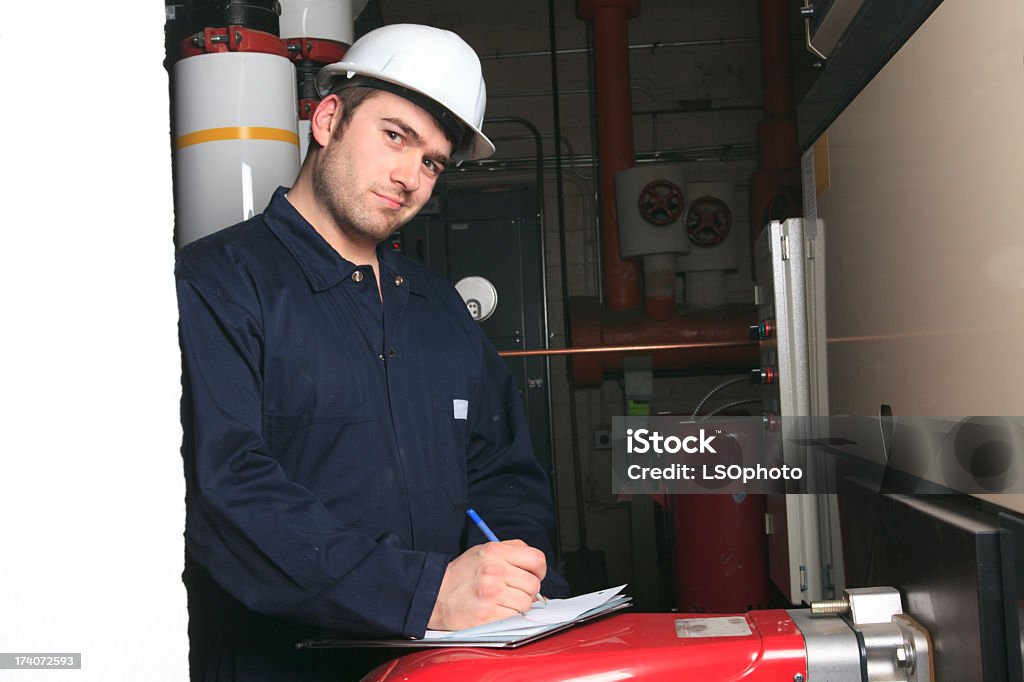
point(451, 428)
point(331, 451)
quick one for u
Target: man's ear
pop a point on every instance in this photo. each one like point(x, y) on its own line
point(326, 118)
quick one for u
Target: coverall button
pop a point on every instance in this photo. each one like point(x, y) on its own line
point(398, 280)
point(357, 276)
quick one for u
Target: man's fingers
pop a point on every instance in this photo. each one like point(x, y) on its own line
point(516, 600)
point(498, 571)
point(521, 555)
point(523, 581)
point(503, 581)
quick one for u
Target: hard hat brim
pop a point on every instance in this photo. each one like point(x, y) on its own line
point(474, 145)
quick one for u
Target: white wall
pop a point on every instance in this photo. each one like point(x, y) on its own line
point(91, 489)
point(924, 215)
point(925, 254)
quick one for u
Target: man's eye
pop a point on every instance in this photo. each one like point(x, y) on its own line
point(392, 135)
point(435, 167)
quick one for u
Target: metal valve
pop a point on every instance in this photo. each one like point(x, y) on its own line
point(896, 648)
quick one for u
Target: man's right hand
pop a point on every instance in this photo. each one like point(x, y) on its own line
point(486, 583)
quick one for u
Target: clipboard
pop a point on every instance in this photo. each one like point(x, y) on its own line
point(506, 641)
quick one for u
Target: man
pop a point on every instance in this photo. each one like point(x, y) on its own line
point(341, 408)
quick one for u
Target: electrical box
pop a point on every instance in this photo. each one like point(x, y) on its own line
point(790, 298)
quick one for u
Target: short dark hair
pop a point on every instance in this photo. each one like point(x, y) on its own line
point(351, 99)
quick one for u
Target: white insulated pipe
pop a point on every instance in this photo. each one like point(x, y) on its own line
point(321, 19)
point(236, 138)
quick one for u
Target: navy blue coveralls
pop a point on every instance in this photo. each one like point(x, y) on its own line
point(332, 445)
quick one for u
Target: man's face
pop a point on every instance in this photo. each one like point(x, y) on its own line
point(376, 173)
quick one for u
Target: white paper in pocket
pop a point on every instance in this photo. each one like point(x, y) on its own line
point(460, 408)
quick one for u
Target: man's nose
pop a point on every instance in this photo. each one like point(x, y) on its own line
point(406, 172)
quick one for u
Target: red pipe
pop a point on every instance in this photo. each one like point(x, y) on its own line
point(720, 553)
point(614, 137)
point(778, 145)
point(593, 325)
point(622, 323)
point(776, 59)
point(775, 186)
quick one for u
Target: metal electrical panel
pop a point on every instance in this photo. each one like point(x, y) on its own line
point(490, 242)
point(790, 296)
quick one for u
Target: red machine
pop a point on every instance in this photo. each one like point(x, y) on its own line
point(862, 637)
point(761, 646)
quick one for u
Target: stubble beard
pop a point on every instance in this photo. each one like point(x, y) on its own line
point(336, 189)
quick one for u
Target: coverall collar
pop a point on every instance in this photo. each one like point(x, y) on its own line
point(322, 265)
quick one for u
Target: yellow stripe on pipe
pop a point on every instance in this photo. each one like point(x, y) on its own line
point(237, 133)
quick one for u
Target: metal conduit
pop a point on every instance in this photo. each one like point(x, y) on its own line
point(720, 153)
point(653, 47)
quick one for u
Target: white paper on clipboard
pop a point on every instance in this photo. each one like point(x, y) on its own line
point(541, 620)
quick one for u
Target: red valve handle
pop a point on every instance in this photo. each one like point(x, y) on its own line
point(661, 202)
point(708, 221)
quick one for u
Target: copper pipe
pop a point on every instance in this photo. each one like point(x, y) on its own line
point(625, 349)
point(691, 340)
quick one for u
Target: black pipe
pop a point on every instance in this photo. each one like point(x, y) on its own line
point(538, 146)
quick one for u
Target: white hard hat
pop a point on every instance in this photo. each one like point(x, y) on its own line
point(430, 61)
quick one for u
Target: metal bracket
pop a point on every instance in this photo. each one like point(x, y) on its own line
point(807, 11)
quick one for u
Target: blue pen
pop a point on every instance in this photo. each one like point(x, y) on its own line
point(489, 534)
point(475, 518)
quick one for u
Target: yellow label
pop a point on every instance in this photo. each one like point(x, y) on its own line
point(821, 174)
point(237, 133)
